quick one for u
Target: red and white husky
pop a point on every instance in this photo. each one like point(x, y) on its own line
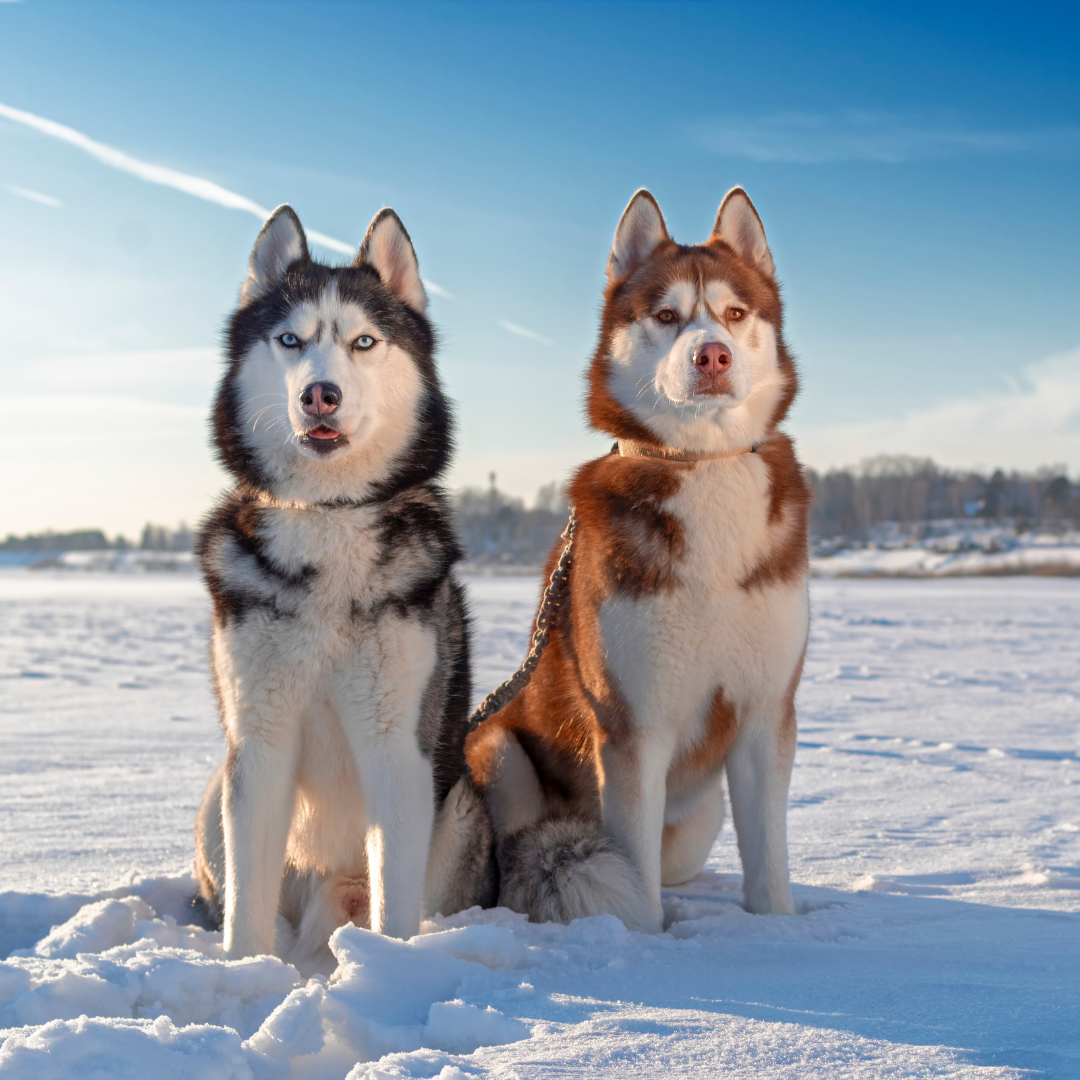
point(676, 655)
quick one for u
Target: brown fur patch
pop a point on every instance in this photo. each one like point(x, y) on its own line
point(247, 520)
point(704, 759)
point(630, 543)
point(626, 544)
point(787, 560)
point(788, 723)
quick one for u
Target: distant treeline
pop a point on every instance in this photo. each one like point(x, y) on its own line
point(911, 493)
point(914, 491)
point(154, 538)
point(496, 528)
point(906, 492)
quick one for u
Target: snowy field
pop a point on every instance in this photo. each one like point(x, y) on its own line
point(935, 851)
point(1046, 556)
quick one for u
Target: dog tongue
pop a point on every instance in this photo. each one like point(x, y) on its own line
point(323, 433)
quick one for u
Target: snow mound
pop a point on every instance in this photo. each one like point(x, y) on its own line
point(462, 1028)
point(94, 928)
point(125, 1050)
point(362, 1013)
point(165, 1003)
point(146, 979)
point(491, 945)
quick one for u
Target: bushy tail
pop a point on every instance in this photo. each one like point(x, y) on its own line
point(565, 868)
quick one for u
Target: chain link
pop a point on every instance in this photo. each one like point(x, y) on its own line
point(502, 695)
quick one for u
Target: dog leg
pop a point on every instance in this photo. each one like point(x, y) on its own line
point(381, 718)
point(758, 772)
point(399, 801)
point(508, 779)
point(689, 838)
point(258, 798)
point(634, 793)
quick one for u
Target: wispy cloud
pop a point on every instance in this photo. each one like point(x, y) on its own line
point(525, 332)
point(854, 135)
point(1037, 423)
point(33, 196)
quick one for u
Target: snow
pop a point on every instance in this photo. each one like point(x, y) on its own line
point(126, 561)
point(976, 552)
point(935, 850)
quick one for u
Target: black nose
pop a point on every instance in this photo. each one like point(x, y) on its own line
point(320, 398)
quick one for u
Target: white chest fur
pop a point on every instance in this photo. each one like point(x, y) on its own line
point(323, 667)
point(669, 652)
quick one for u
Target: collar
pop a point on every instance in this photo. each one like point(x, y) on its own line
point(633, 448)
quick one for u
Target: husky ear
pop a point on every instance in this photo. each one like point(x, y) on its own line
point(389, 250)
point(641, 229)
point(280, 244)
point(738, 226)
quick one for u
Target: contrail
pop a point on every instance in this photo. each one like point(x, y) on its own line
point(171, 178)
point(525, 332)
point(157, 174)
point(34, 196)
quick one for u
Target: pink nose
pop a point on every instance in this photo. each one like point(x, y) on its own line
point(712, 358)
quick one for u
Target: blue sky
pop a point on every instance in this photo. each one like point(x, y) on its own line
point(915, 166)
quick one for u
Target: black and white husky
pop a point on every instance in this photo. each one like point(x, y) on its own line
point(340, 645)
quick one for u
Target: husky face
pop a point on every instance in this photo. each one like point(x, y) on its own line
point(331, 393)
point(691, 351)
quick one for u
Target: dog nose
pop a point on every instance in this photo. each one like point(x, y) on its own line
point(712, 358)
point(320, 398)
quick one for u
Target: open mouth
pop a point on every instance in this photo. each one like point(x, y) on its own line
point(323, 440)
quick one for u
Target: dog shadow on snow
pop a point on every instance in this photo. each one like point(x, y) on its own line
point(896, 959)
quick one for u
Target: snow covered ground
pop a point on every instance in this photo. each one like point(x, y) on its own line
point(985, 551)
point(935, 850)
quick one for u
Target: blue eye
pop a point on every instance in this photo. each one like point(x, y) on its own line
point(290, 341)
point(364, 342)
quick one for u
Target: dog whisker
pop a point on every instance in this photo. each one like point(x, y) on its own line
point(258, 416)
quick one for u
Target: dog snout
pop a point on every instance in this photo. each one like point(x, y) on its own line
point(320, 398)
point(712, 359)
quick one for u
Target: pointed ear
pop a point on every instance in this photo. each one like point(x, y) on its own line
point(641, 229)
point(738, 226)
point(280, 244)
point(389, 250)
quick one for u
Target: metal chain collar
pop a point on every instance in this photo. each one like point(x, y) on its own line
point(501, 696)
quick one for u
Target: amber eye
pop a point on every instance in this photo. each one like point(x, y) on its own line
point(734, 314)
point(666, 315)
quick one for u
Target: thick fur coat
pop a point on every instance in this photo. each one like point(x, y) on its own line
point(675, 657)
point(340, 642)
